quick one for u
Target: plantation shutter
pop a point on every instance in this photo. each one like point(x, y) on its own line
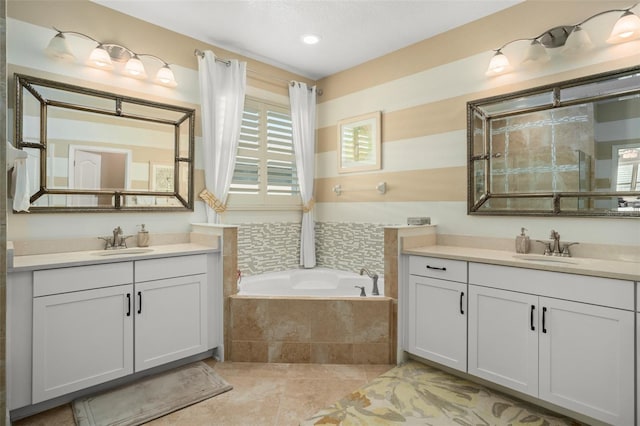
point(282, 178)
point(246, 176)
point(265, 162)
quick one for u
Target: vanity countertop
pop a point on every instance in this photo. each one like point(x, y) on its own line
point(79, 258)
point(583, 266)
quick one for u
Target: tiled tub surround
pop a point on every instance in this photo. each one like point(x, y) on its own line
point(306, 329)
point(350, 246)
point(311, 330)
point(272, 247)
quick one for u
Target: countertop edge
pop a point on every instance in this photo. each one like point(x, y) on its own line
point(68, 259)
point(628, 271)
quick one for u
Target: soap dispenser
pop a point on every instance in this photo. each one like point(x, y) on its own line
point(143, 237)
point(522, 242)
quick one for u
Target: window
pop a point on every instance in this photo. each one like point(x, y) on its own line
point(265, 172)
point(627, 176)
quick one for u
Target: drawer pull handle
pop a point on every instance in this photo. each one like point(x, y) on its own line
point(544, 319)
point(139, 302)
point(436, 268)
point(128, 304)
point(461, 306)
point(533, 327)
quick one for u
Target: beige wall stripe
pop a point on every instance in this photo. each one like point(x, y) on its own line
point(446, 184)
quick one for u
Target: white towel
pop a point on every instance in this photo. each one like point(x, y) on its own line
point(17, 159)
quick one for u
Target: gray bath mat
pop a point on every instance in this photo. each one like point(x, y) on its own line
point(150, 398)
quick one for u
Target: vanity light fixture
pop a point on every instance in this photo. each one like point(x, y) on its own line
point(104, 54)
point(572, 39)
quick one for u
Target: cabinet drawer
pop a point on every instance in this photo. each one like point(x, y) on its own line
point(579, 288)
point(65, 280)
point(446, 269)
point(170, 267)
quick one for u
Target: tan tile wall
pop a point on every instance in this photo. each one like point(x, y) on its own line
point(325, 331)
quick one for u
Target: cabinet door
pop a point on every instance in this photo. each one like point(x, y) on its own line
point(437, 321)
point(503, 338)
point(81, 339)
point(587, 359)
point(170, 320)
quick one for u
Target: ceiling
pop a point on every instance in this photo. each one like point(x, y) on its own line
point(351, 32)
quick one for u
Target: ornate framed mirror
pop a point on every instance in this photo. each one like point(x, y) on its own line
point(567, 149)
point(90, 150)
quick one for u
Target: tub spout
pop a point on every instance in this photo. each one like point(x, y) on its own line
point(374, 277)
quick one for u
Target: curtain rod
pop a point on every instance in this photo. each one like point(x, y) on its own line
point(198, 52)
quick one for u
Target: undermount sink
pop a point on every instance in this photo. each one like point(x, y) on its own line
point(547, 259)
point(126, 251)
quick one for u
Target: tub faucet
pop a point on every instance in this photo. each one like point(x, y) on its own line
point(374, 277)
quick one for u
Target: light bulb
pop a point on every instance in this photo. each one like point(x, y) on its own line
point(59, 49)
point(135, 68)
point(499, 64)
point(165, 77)
point(537, 53)
point(627, 28)
point(578, 41)
point(100, 58)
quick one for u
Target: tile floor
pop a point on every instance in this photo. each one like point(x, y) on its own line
point(262, 394)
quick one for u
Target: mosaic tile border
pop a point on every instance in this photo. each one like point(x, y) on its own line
point(272, 247)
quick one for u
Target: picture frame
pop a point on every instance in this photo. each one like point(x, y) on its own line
point(360, 143)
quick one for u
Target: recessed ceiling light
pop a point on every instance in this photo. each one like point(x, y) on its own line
point(310, 39)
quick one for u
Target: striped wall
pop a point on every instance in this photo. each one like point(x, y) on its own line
point(422, 92)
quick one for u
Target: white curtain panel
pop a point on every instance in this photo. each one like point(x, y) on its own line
point(222, 91)
point(303, 119)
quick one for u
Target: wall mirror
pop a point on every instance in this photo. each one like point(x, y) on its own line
point(359, 143)
point(567, 149)
point(97, 151)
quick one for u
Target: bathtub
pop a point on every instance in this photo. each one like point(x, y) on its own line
point(310, 316)
point(317, 282)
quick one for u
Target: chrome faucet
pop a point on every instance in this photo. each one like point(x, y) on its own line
point(117, 237)
point(555, 247)
point(374, 277)
point(555, 236)
point(117, 241)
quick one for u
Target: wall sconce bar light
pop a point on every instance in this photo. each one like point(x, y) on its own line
point(104, 54)
point(573, 38)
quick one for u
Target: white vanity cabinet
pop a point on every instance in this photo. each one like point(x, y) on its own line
point(81, 337)
point(437, 305)
point(567, 339)
point(171, 310)
point(96, 323)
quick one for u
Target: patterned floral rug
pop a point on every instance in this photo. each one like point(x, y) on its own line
point(417, 394)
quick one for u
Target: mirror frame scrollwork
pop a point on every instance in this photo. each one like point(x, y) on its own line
point(593, 88)
point(118, 196)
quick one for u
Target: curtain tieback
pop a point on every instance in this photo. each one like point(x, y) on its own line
point(212, 201)
point(307, 207)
